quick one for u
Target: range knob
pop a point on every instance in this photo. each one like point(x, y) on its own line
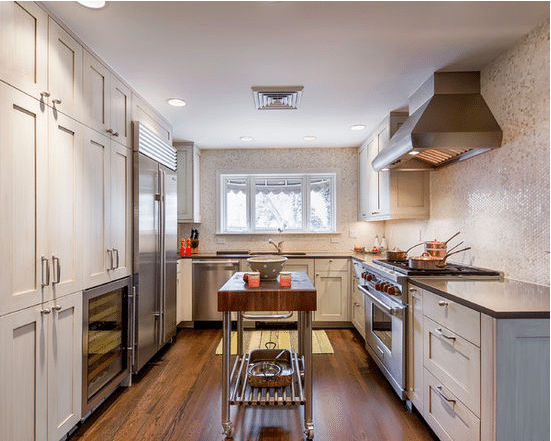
point(378, 286)
point(391, 290)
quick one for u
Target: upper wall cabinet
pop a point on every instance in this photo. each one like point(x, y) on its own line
point(388, 195)
point(24, 47)
point(64, 71)
point(40, 58)
point(106, 101)
point(143, 112)
point(188, 182)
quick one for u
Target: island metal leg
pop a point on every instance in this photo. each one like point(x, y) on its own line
point(305, 319)
point(226, 372)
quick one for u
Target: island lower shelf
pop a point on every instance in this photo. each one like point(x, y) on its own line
point(242, 393)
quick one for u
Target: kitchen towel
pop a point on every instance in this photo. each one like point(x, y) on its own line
point(282, 338)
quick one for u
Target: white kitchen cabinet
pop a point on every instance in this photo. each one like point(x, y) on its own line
point(387, 194)
point(24, 48)
point(357, 308)
point(415, 352)
point(184, 294)
point(106, 195)
point(483, 378)
point(189, 207)
point(144, 113)
point(40, 58)
point(65, 57)
point(332, 278)
point(40, 183)
point(106, 101)
point(41, 370)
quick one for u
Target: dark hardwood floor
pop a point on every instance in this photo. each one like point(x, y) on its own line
point(177, 397)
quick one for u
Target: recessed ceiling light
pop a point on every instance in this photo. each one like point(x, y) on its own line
point(309, 138)
point(176, 102)
point(246, 138)
point(357, 127)
point(92, 4)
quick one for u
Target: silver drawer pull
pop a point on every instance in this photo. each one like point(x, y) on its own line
point(45, 311)
point(438, 390)
point(442, 303)
point(266, 316)
point(57, 307)
point(442, 334)
point(56, 101)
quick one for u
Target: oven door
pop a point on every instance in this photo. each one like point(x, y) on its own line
point(385, 336)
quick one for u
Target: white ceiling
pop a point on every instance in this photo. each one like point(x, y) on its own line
point(356, 60)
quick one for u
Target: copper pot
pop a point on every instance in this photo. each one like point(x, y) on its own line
point(438, 249)
point(428, 262)
point(398, 255)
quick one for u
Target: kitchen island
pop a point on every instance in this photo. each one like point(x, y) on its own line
point(236, 296)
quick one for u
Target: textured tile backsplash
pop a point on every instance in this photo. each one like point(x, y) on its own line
point(500, 199)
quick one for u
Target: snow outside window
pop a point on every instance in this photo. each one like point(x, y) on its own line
point(289, 203)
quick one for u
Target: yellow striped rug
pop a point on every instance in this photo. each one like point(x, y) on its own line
point(283, 339)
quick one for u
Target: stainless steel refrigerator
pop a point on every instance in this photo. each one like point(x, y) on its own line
point(155, 243)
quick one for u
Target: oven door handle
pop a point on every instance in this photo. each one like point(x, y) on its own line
point(396, 311)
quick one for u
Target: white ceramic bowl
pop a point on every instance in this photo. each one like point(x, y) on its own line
point(269, 266)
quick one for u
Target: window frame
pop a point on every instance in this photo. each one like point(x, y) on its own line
point(306, 179)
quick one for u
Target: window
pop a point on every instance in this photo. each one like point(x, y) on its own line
point(291, 203)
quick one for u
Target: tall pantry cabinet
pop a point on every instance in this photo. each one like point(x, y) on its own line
point(65, 176)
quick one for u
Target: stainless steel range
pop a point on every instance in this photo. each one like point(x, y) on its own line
point(385, 285)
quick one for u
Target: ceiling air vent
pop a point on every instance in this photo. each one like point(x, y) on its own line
point(277, 98)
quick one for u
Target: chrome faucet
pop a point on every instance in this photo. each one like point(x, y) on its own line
point(276, 245)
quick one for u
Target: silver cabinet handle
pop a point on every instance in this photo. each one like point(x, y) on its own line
point(110, 253)
point(57, 307)
point(115, 133)
point(57, 269)
point(56, 101)
point(46, 273)
point(116, 253)
point(438, 390)
point(442, 303)
point(45, 94)
point(441, 333)
point(45, 311)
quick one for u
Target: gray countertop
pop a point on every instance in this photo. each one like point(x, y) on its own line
point(499, 299)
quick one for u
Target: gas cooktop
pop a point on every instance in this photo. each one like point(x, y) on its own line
point(451, 269)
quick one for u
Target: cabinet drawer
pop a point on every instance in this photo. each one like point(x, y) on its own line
point(454, 361)
point(331, 265)
point(460, 319)
point(450, 419)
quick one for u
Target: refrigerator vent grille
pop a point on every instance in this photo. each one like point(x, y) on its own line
point(154, 147)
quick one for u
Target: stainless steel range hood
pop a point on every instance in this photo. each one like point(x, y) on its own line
point(449, 121)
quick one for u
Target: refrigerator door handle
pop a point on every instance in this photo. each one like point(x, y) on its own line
point(162, 249)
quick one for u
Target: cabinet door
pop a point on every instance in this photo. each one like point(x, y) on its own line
point(64, 71)
point(357, 309)
point(96, 208)
point(23, 168)
point(23, 375)
point(64, 365)
point(96, 86)
point(415, 348)
point(373, 184)
point(119, 99)
point(363, 183)
point(332, 302)
point(24, 46)
point(120, 185)
point(65, 150)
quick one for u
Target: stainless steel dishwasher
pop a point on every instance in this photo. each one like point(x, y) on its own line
point(208, 276)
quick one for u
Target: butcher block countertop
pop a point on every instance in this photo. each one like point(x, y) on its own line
point(500, 299)
point(235, 295)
